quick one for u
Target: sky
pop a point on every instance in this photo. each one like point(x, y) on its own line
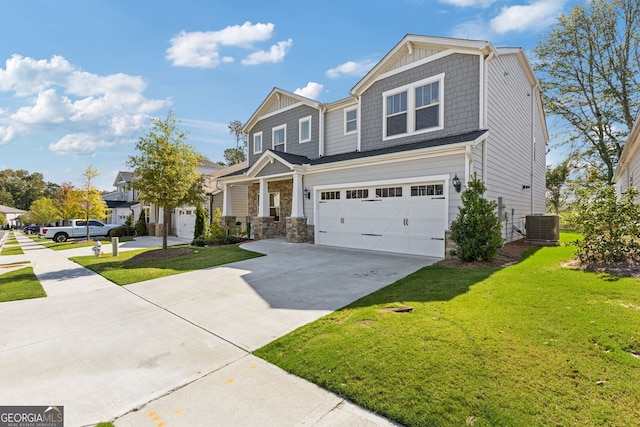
point(80, 80)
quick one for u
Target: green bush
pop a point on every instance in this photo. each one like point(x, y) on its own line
point(141, 225)
point(201, 217)
point(476, 230)
point(118, 232)
point(610, 225)
point(199, 241)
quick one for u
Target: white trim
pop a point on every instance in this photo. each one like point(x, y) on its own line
point(321, 120)
point(300, 121)
point(419, 62)
point(359, 134)
point(273, 140)
point(254, 142)
point(281, 110)
point(482, 95)
point(411, 107)
point(348, 110)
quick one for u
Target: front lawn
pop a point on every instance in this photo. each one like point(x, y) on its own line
point(20, 284)
point(76, 243)
point(121, 272)
point(534, 344)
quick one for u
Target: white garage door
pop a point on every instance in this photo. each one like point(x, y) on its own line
point(408, 218)
point(186, 221)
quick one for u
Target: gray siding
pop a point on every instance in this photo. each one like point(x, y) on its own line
point(336, 141)
point(239, 201)
point(461, 100)
point(290, 118)
point(274, 168)
point(513, 120)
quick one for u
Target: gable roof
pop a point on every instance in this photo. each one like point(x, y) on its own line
point(123, 177)
point(275, 95)
point(9, 210)
point(430, 46)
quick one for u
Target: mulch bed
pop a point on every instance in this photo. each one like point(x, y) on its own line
point(509, 254)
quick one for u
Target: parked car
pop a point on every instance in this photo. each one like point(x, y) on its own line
point(31, 229)
point(76, 228)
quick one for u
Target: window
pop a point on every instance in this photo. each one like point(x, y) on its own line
point(389, 192)
point(350, 120)
point(274, 206)
point(330, 195)
point(415, 108)
point(427, 106)
point(280, 138)
point(305, 129)
point(397, 114)
point(358, 194)
point(427, 190)
point(257, 143)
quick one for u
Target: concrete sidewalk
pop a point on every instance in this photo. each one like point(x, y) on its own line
point(177, 349)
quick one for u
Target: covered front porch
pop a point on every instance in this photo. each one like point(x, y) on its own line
point(275, 207)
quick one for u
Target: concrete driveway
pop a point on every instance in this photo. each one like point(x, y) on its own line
point(176, 350)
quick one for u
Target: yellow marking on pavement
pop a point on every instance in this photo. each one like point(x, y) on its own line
point(162, 424)
point(230, 380)
point(156, 418)
point(252, 367)
point(151, 414)
point(177, 411)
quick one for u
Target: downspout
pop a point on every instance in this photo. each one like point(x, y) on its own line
point(321, 142)
point(533, 143)
point(359, 133)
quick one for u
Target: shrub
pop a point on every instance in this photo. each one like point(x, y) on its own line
point(118, 232)
point(201, 217)
point(476, 230)
point(199, 241)
point(141, 225)
point(610, 225)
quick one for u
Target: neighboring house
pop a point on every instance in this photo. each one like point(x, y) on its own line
point(123, 201)
point(627, 173)
point(184, 218)
point(383, 169)
point(11, 216)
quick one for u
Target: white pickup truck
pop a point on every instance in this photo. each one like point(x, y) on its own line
point(76, 228)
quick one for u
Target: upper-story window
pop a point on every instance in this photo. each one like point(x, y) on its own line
point(257, 142)
point(280, 138)
point(414, 108)
point(305, 129)
point(350, 120)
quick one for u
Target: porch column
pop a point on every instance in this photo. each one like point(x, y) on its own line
point(297, 201)
point(263, 207)
point(226, 200)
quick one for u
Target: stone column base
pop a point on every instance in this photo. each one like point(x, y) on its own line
point(228, 222)
point(263, 227)
point(450, 247)
point(296, 230)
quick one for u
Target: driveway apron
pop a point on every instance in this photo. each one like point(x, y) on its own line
point(175, 350)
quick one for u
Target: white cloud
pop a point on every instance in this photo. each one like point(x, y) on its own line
point(536, 15)
point(350, 68)
point(472, 30)
point(312, 90)
point(469, 3)
point(55, 95)
point(201, 49)
point(78, 145)
point(275, 54)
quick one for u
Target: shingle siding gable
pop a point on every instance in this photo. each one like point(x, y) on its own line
point(461, 100)
point(291, 118)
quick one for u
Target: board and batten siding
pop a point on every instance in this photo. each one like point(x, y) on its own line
point(512, 119)
point(439, 165)
point(239, 201)
point(336, 142)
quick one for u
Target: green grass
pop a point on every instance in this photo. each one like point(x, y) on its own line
point(121, 273)
point(105, 424)
point(533, 344)
point(11, 250)
point(20, 284)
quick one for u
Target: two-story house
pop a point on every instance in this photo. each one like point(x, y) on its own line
point(123, 201)
point(383, 169)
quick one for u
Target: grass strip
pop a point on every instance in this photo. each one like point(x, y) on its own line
point(11, 250)
point(120, 272)
point(20, 284)
point(533, 344)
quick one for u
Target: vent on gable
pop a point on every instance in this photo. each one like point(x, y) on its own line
point(543, 229)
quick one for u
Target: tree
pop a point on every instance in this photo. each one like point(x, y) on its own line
point(166, 169)
point(556, 179)
point(43, 211)
point(3, 220)
point(476, 230)
point(19, 188)
point(589, 69)
point(91, 203)
point(236, 155)
point(67, 201)
point(141, 225)
point(201, 218)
